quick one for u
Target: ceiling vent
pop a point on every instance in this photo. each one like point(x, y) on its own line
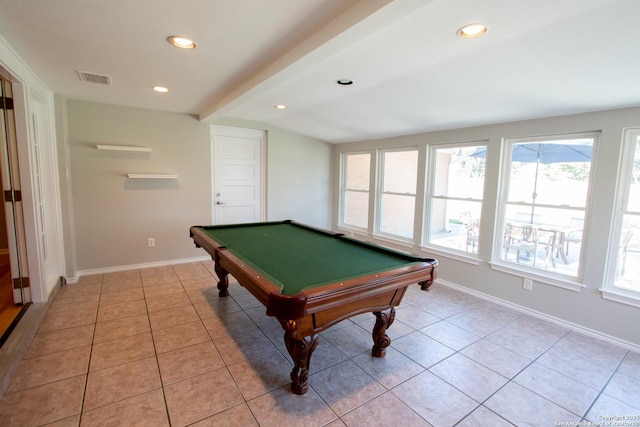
point(101, 79)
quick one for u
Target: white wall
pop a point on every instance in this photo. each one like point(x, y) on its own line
point(301, 190)
point(114, 215)
point(585, 308)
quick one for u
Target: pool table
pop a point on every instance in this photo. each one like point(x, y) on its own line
point(311, 279)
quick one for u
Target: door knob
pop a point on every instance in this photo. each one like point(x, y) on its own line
point(219, 203)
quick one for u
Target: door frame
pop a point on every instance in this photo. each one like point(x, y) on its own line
point(240, 132)
point(34, 99)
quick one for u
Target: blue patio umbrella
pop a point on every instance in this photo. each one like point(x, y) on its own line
point(546, 153)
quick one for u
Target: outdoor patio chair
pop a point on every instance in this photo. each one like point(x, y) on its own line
point(472, 227)
point(574, 236)
point(524, 238)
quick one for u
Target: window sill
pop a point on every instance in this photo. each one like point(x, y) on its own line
point(390, 240)
point(353, 232)
point(378, 239)
point(462, 257)
point(569, 284)
point(621, 296)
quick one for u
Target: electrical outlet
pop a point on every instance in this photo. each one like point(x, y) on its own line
point(151, 242)
point(527, 284)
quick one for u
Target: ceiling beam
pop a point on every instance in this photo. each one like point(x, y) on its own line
point(358, 22)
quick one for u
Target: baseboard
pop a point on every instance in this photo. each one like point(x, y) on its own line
point(540, 315)
point(74, 279)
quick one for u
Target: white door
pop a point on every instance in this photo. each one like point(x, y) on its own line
point(238, 174)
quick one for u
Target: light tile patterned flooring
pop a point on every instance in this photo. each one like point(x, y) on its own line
point(158, 347)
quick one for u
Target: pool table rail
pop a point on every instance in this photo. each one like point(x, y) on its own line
point(311, 300)
point(316, 308)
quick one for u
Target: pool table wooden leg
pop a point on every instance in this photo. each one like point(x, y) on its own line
point(381, 340)
point(300, 351)
point(425, 285)
point(223, 275)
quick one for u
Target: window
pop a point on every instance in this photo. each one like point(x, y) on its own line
point(397, 200)
point(355, 185)
point(626, 248)
point(455, 196)
point(544, 203)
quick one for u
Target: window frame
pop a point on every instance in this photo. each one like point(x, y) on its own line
point(343, 190)
point(430, 196)
point(609, 290)
point(379, 193)
point(574, 283)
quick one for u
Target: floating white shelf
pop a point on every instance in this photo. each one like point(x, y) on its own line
point(123, 148)
point(151, 176)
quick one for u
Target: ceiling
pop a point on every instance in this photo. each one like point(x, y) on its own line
point(411, 72)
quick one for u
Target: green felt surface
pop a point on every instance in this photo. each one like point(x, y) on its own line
point(296, 258)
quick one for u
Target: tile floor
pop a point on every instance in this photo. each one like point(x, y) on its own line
point(158, 347)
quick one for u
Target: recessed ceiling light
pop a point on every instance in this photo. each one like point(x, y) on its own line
point(181, 42)
point(160, 89)
point(344, 82)
point(280, 107)
point(472, 30)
